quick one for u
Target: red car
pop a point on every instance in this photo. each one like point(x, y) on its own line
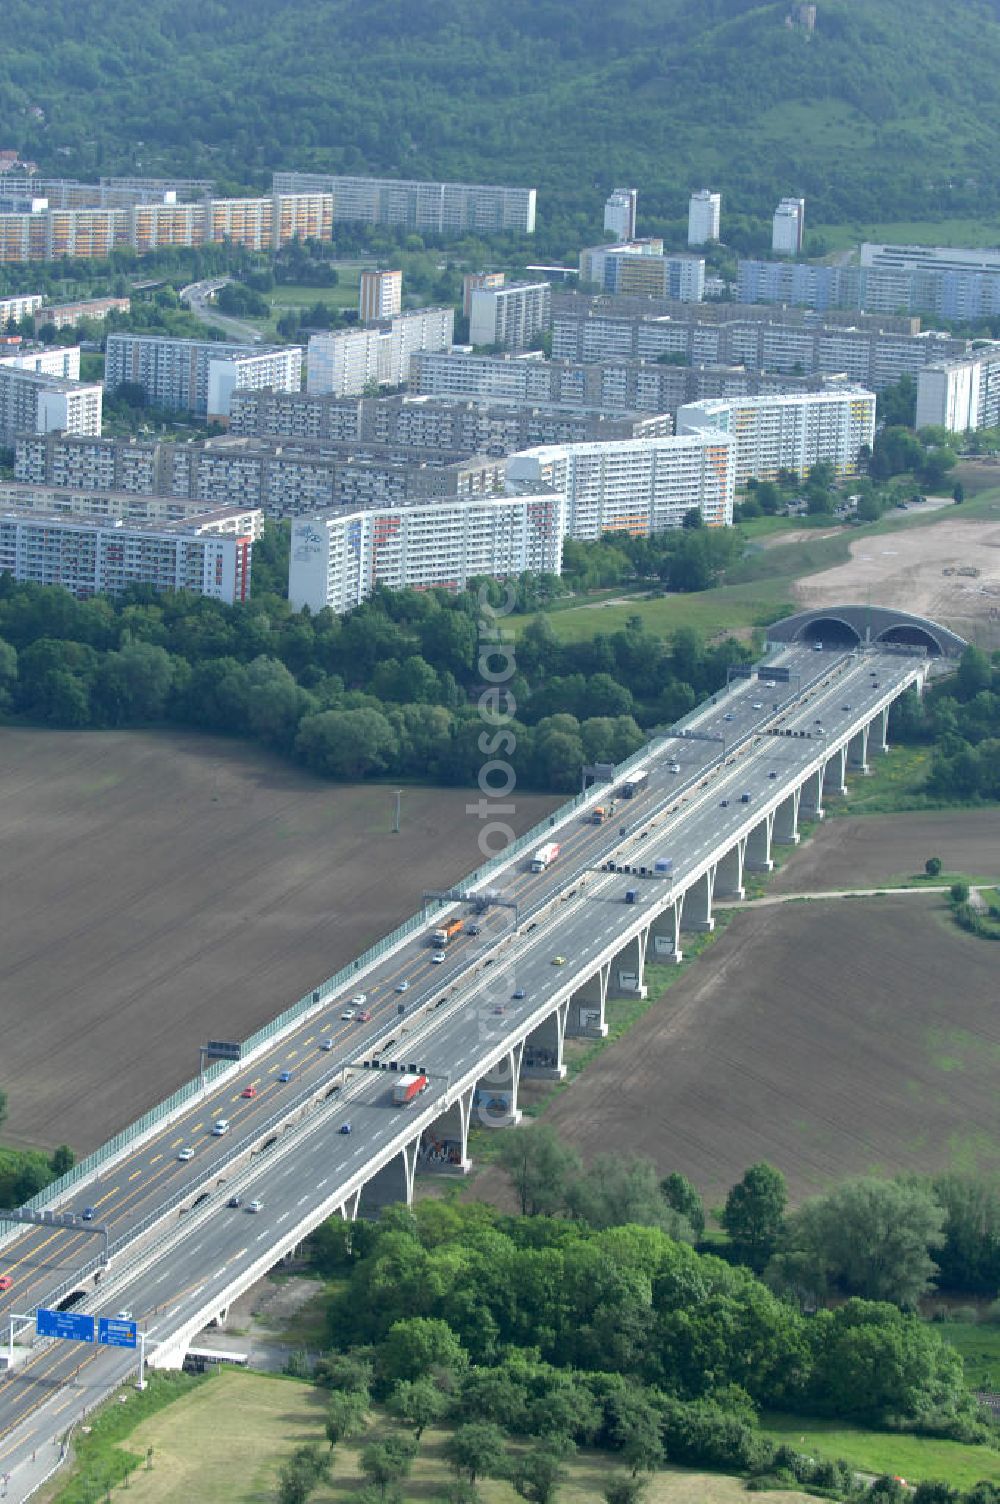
point(249, 1091)
point(6, 1283)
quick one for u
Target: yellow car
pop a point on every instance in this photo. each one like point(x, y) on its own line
point(558, 960)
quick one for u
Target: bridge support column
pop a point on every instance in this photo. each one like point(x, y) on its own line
point(349, 1210)
point(628, 966)
point(880, 728)
point(857, 751)
point(759, 857)
point(834, 773)
point(665, 932)
point(786, 820)
point(391, 1184)
point(729, 873)
point(543, 1048)
point(585, 1014)
point(494, 1101)
point(444, 1147)
point(811, 803)
point(696, 914)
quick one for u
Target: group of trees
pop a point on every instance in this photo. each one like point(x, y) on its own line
point(563, 1332)
point(393, 687)
point(691, 558)
point(960, 718)
point(24, 1172)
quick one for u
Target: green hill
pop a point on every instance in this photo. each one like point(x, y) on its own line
point(886, 111)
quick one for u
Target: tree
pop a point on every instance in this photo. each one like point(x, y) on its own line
point(418, 1403)
point(958, 493)
point(538, 1472)
point(477, 1450)
point(387, 1461)
point(682, 1196)
point(959, 892)
point(346, 1415)
point(870, 1238)
point(754, 1213)
point(301, 1474)
point(637, 1433)
point(63, 1160)
point(933, 866)
point(628, 1489)
point(617, 1190)
point(417, 1344)
point(346, 743)
point(693, 518)
point(540, 1168)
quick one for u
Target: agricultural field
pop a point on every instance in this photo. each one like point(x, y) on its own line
point(830, 1038)
point(872, 850)
point(161, 888)
point(911, 1457)
point(264, 1418)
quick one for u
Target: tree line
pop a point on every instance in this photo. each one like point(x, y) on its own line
point(959, 717)
point(391, 688)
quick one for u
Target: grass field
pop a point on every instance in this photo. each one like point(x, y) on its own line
point(979, 1344)
point(263, 1418)
point(911, 1457)
point(954, 232)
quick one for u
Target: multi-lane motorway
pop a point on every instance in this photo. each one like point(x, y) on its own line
point(456, 1013)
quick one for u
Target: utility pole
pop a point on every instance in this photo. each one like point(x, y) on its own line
point(397, 810)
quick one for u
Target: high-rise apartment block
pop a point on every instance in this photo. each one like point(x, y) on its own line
point(14, 309)
point(790, 431)
point(198, 376)
point(346, 363)
point(208, 555)
point(961, 394)
point(639, 268)
point(439, 208)
point(512, 317)
point(380, 295)
point(620, 212)
point(636, 486)
point(473, 280)
point(788, 228)
point(704, 217)
point(40, 393)
point(338, 561)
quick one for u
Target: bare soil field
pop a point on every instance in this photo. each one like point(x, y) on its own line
point(829, 1038)
point(916, 570)
point(872, 849)
point(160, 889)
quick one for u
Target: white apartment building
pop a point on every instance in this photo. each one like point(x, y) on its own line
point(346, 363)
point(208, 555)
point(14, 309)
point(788, 227)
point(636, 486)
point(704, 217)
point(788, 431)
point(380, 295)
point(472, 280)
point(35, 401)
point(961, 394)
point(513, 316)
point(441, 208)
point(119, 506)
point(620, 212)
point(198, 376)
point(339, 560)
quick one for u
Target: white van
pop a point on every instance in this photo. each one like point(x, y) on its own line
point(221, 1127)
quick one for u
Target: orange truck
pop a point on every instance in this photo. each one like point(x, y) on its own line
point(447, 932)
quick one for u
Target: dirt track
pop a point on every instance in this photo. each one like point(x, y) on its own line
point(162, 888)
point(828, 1038)
point(906, 570)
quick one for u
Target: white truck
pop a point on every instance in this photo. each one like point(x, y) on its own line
point(544, 856)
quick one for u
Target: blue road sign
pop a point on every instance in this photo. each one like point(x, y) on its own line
point(72, 1325)
point(114, 1332)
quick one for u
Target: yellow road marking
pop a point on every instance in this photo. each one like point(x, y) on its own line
point(135, 1175)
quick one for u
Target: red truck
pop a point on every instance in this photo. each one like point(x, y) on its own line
point(408, 1087)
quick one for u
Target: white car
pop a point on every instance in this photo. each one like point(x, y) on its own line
point(438, 959)
point(347, 1014)
point(403, 986)
point(221, 1127)
point(186, 1153)
point(359, 999)
point(255, 1206)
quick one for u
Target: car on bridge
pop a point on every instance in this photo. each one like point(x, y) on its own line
point(519, 993)
point(6, 1282)
point(249, 1091)
point(438, 959)
point(89, 1213)
point(235, 1200)
point(326, 1044)
point(365, 1016)
point(558, 960)
point(186, 1153)
point(255, 1206)
point(284, 1076)
point(345, 1127)
point(359, 999)
point(347, 1015)
point(403, 986)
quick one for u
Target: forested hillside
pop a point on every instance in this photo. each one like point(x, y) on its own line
point(885, 111)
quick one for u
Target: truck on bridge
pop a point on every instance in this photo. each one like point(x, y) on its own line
point(446, 932)
point(545, 856)
point(408, 1088)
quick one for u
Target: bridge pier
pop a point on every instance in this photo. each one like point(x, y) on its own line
point(391, 1184)
point(494, 1101)
point(811, 796)
point(857, 751)
point(880, 726)
point(444, 1147)
point(786, 821)
point(729, 873)
point(586, 1009)
point(759, 857)
point(834, 773)
point(629, 964)
point(665, 932)
point(543, 1048)
point(696, 914)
